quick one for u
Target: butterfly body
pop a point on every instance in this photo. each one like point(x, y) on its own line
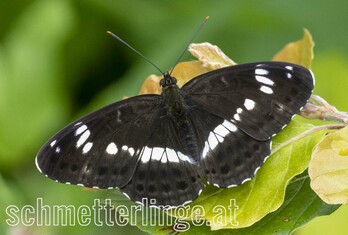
point(217, 128)
point(172, 97)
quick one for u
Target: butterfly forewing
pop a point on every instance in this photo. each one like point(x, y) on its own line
point(259, 98)
point(101, 149)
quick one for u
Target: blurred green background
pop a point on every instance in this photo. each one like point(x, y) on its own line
point(57, 63)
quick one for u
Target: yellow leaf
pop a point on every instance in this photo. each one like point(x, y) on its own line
point(151, 85)
point(210, 55)
point(299, 52)
point(328, 168)
point(183, 72)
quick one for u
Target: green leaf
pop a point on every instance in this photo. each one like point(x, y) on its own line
point(300, 206)
point(290, 157)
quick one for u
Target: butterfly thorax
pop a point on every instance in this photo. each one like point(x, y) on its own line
point(172, 97)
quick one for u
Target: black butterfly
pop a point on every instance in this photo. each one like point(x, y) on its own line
point(217, 127)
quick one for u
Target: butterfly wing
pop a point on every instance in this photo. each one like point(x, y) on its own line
point(101, 149)
point(229, 156)
point(236, 110)
point(131, 145)
point(166, 171)
point(259, 98)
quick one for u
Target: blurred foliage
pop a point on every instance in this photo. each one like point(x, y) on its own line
point(57, 63)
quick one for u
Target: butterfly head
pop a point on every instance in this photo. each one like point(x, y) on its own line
point(167, 80)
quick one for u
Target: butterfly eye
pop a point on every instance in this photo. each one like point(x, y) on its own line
point(162, 82)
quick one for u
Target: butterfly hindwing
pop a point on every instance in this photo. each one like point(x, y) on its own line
point(228, 155)
point(166, 171)
point(102, 148)
point(259, 98)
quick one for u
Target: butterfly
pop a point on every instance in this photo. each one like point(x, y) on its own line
point(217, 129)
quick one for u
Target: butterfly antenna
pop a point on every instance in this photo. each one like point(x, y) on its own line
point(130, 47)
point(188, 44)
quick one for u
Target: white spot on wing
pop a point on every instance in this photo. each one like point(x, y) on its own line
point(213, 142)
point(172, 156)
point(229, 126)
point(217, 135)
point(289, 67)
point(146, 155)
point(264, 80)
point(157, 153)
point(57, 149)
point(131, 151)
point(266, 89)
point(53, 143)
point(205, 150)
point(289, 75)
point(183, 157)
point(112, 148)
point(164, 158)
point(261, 72)
point(236, 117)
point(87, 147)
point(80, 130)
point(83, 138)
point(221, 130)
point(239, 110)
point(219, 138)
point(249, 104)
